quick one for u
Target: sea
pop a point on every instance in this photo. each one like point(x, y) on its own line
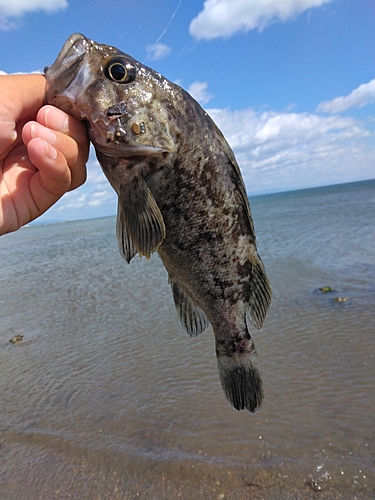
point(104, 396)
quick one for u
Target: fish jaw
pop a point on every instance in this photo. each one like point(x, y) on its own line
point(77, 83)
point(66, 65)
point(67, 74)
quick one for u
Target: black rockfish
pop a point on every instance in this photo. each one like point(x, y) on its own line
point(180, 193)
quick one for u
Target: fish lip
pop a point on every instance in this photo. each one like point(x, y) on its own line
point(68, 45)
point(68, 60)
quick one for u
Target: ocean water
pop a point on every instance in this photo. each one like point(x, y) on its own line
point(106, 398)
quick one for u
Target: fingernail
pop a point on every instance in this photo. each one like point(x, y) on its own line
point(51, 152)
point(56, 119)
point(42, 132)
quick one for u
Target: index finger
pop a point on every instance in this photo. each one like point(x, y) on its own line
point(58, 120)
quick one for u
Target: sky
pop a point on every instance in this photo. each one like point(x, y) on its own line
point(290, 83)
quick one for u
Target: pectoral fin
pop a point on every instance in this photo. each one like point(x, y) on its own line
point(144, 223)
point(192, 318)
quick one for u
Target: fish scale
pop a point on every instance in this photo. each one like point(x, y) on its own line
point(180, 193)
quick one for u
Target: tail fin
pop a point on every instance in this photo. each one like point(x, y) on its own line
point(241, 380)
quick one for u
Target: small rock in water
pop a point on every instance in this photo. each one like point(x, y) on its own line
point(313, 484)
point(17, 339)
point(326, 289)
point(340, 299)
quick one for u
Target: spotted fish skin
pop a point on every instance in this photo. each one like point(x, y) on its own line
point(180, 193)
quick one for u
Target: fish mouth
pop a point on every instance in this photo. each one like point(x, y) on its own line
point(69, 60)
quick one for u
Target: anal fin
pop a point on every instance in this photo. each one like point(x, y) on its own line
point(192, 318)
point(142, 218)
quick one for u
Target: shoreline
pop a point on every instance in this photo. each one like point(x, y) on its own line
point(33, 472)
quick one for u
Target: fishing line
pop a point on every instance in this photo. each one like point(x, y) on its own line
point(161, 36)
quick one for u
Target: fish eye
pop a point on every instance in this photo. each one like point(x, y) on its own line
point(120, 71)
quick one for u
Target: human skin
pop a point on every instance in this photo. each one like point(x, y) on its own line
point(43, 151)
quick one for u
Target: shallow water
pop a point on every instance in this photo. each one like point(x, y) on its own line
point(107, 398)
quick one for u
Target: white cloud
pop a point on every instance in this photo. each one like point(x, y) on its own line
point(223, 18)
point(283, 151)
point(275, 151)
point(158, 51)
point(358, 98)
point(95, 193)
point(37, 71)
point(199, 91)
point(94, 197)
point(16, 8)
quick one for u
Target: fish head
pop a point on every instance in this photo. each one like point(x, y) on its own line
point(124, 103)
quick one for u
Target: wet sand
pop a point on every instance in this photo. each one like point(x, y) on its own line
point(38, 474)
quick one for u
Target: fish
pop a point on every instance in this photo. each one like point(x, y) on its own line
point(180, 194)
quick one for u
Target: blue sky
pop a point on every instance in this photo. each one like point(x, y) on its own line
point(291, 83)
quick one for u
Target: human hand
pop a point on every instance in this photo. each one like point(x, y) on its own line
point(43, 151)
